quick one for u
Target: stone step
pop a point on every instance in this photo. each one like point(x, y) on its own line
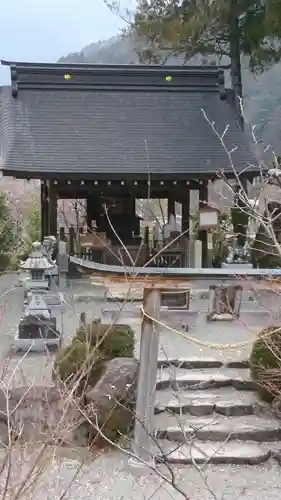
point(220, 428)
point(176, 378)
point(227, 402)
point(200, 362)
point(236, 453)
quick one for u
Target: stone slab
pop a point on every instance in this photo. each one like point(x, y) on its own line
point(201, 362)
point(164, 397)
point(89, 297)
point(190, 363)
point(246, 428)
point(177, 378)
point(194, 380)
point(215, 453)
point(234, 408)
point(206, 404)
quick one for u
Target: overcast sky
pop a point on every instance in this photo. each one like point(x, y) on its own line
point(44, 30)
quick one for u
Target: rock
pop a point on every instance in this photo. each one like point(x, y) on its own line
point(46, 414)
point(111, 402)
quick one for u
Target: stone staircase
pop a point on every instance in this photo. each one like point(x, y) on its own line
point(209, 412)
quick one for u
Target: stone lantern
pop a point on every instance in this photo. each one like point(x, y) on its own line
point(38, 266)
point(37, 328)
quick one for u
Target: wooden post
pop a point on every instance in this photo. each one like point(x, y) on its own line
point(203, 200)
point(171, 207)
point(72, 236)
point(93, 210)
point(143, 443)
point(186, 212)
point(53, 209)
point(44, 210)
point(62, 265)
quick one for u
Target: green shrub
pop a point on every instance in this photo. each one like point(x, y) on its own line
point(114, 340)
point(265, 362)
point(82, 354)
point(76, 359)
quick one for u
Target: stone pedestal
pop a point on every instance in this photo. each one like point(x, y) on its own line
point(37, 329)
point(37, 333)
point(225, 302)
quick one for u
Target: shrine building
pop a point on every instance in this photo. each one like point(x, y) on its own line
point(121, 133)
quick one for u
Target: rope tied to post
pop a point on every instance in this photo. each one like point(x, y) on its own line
point(219, 347)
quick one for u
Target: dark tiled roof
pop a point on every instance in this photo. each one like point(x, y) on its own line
point(96, 120)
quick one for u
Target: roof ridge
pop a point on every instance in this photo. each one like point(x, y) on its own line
point(135, 67)
point(58, 76)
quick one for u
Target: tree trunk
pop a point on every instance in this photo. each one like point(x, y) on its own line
point(235, 58)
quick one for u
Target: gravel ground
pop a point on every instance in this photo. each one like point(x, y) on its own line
point(109, 477)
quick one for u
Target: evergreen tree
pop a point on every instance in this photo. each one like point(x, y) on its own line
point(33, 227)
point(221, 27)
point(9, 235)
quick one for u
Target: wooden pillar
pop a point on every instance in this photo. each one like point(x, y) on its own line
point(143, 442)
point(44, 210)
point(93, 210)
point(53, 209)
point(203, 235)
point(133, 206)
point(171, 207)
point(185, 214)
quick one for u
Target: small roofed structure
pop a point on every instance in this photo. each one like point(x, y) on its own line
point(113, 134)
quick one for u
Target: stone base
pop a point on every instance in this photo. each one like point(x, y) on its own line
point(220, 317)
point(36, 345)
point(37, 333)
